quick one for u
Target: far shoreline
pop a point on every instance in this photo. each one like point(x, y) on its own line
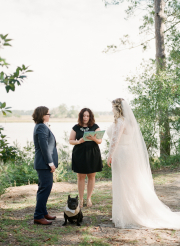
point(28, 119)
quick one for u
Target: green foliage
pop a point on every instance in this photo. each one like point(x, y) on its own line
point(12, 79)
point(105, 173)
point(156, 96)
point(170, 162)
point(4, 109)
point(6, 152)
point(60, 111)
point(9, 81)
point(17, 113)
point(72, 113)
point(147, 27)
point(4, 183)
point(106, 149)
point(63, 112)
point(19, 171)
point(64, 171)
point(156, 103)
point(111, 2)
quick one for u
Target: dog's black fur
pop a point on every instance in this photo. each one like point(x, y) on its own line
point(73, 204)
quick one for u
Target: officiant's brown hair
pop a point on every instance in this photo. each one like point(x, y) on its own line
point(38, 114)
point(91, 117)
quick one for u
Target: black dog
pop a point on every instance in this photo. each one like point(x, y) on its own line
point(72, 211)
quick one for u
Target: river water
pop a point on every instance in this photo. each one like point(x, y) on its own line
point(23, 132)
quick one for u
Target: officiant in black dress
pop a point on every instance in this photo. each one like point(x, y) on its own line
point(86, 155)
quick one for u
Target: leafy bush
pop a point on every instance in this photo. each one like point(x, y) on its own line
point(171, 162)
point(4, 182)
point(7, 153)
point(21, 171)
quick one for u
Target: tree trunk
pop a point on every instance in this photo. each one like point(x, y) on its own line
point(164, 128)
point(159, 33)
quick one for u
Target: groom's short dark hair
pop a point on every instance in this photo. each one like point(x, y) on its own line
point(91, 117)
point(38, 114)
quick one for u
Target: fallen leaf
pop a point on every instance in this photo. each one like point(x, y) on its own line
point(47, 239)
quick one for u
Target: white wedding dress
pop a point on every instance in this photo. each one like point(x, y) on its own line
point(135, 203)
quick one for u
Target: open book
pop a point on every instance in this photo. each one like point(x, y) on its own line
point(99, 135)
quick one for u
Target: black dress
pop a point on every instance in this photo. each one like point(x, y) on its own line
point(86, 157)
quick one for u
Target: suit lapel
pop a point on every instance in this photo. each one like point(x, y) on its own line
point(51, 133)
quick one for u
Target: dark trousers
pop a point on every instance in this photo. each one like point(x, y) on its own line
point(44, 189)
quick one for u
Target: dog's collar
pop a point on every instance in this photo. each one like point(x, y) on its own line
point(70, 212)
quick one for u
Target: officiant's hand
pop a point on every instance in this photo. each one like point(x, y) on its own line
point(80, 141)
point(109, 160)
point(93, 138)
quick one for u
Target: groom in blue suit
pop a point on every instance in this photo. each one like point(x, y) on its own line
point(45, 163)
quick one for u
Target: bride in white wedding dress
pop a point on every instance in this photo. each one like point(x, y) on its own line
point(135, 203)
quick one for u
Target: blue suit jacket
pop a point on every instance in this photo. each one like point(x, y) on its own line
point(45, 147)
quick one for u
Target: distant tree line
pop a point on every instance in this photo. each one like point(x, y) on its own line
point(18, 113)
point(62, 111)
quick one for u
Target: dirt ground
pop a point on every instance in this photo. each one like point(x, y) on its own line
point(167, 186)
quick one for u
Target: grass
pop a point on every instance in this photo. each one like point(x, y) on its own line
point(165, 178)
point(17, 228)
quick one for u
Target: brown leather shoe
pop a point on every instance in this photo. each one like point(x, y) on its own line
point(42, 221)
point(49, 217)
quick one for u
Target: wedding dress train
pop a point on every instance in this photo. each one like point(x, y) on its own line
point(135, 203)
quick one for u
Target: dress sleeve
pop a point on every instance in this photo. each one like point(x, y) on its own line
point(95, 127)
point(117, 131)
point(75, 128)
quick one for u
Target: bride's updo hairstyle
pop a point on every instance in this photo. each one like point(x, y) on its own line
point(117, 105)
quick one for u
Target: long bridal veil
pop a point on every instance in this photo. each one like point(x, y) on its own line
point(133, 137)
point(135, 203)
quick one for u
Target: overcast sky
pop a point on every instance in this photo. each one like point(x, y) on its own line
point(62, 42)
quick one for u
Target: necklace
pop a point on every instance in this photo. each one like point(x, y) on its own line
point(84, 130)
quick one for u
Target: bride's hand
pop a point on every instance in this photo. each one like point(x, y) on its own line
point(109, 160)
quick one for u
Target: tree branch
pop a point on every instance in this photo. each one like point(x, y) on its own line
point(134, 46)
point(143, 42)
point(172, 26)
